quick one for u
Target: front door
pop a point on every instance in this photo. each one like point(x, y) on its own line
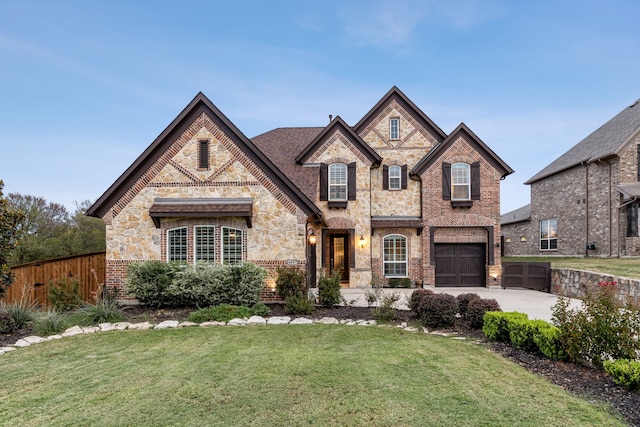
point(339, 255)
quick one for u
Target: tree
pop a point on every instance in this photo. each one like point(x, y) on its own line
point(10, 220)
point(48, 231)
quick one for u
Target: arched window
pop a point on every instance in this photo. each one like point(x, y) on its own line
point(395, 174)
point(460, 181)
point(338, 182)
point(232, 246)
point(395, 256)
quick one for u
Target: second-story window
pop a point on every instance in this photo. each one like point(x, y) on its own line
point(460, 182)
point(395, 180)
point(338, 182)
point(394, 128)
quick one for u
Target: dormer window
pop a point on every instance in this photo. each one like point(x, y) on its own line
point(337, 182)
point(394, 128)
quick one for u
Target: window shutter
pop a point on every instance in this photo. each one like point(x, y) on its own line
point(446, 181)
point(475, 181)
point(324, 181)
point(403, 177)
point(385, 177)
point(351, 181)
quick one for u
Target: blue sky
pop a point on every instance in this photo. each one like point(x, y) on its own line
point(86, 86)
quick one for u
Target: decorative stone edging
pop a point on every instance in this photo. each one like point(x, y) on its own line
point(173, 324)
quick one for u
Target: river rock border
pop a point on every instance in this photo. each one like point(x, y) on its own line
point(173, 324)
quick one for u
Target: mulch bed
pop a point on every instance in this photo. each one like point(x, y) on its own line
point(592, 384)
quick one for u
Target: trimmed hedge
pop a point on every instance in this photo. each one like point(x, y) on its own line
point(496, 324)
point(625, 372)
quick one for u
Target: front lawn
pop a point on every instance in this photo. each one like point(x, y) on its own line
point(290, 375)
point(622, 267)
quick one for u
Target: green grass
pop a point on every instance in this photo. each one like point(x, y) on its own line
point(317, 375)
point(622, 267)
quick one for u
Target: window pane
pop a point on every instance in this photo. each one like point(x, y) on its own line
point(394, 128)
point(395, 256)
point(338, 182)
point(231, 246)
point(204, 243)
point(177, 245)
point(394, 177)
point(460, 181)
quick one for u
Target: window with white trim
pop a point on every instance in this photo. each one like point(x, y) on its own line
point(204, 243)
point(231, 246)
point(338, 182)
point(394, 128)
point(395, 256)
point(460, 181)
point(549, 234)
point(177, 245)
point(395, 180)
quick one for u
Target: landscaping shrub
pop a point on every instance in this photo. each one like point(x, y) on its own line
point(496, 324)
point(476, 308)
point(260, 309)
point(416, 298)
point(148, 282)
point(625, 372)
point(399, 282)
point(103, 311)
point(22, 312)
point(51, 323)
point(385, 312)
point(329, 289)
point(290, 282)
point(7, 324)
point(438, 310)
point(64, 294)
point(547, 338)
point(220, 313)
point(299, 304)
point(522, 333)
point(603, 329)
point(464, 300)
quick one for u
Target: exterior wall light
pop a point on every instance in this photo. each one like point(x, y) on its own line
point(313, 239)
point(362, 241)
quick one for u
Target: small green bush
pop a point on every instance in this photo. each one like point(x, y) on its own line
point(547, 338)
point(299, 304)
point(260, 309)
point(602, 329)
point(103, 311)
point(386, 312)
point(51, 323)
point(7, 324)
point(64, 294)
point(625, 372)
point(399, 282)
point(329, 289)
point(416, 298)
point(522, 333)
point(290, 282)
point(476, 308)
point(220, 313)
point(148, 282)
point(438, 310)
point(464, 300)
point(496, 324)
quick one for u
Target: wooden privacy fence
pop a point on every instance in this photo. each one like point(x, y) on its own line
point(32, 279)
point(529, 275)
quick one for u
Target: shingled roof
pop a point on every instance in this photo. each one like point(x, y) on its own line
point(606, 141)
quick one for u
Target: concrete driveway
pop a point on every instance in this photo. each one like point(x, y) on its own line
point(535, 303)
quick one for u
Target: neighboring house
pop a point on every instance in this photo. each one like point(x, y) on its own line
point(392, 196)
point(586, 201)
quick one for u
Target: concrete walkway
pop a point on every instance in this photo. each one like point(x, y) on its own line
point(535, 303)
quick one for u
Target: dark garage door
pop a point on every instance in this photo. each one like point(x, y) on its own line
point(460, 264)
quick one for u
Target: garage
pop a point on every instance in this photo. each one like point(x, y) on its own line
point(461, 265)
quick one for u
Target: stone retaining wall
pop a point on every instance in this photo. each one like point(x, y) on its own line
point(574, 284)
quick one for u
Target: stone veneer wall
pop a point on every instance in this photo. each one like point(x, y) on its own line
point(574, 284)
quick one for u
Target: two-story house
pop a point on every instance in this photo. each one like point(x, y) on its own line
point(392, 196)
point(585, 202)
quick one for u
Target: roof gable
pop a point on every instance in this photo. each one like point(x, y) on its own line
point(396, 94)
point(354, 139)
point(605, 141)
point(479, 146)
point(199, 106)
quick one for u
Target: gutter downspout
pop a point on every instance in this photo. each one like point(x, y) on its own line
point(586, 206)
point(610, 216)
